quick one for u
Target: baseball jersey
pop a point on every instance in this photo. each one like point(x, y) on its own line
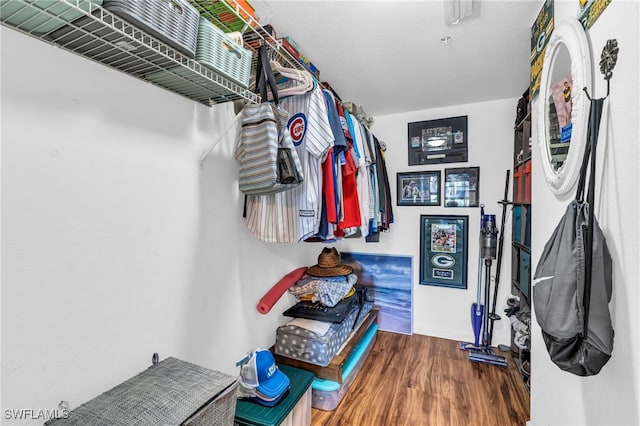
point(330, 189)
point(294, 215)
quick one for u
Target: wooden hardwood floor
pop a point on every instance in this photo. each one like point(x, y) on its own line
point(426, 381)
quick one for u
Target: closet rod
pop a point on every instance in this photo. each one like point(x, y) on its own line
point(206, 153)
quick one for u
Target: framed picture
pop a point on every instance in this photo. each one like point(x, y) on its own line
point(438, 141)
point(462, 187)
point(418, 188)
point(390, 280)
point(443, 250)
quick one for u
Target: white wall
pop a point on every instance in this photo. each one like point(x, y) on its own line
point(442, 311)
point(611, 397)
point(115, 242)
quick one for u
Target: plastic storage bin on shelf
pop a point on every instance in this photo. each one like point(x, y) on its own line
point(527, 227)
point(527, 182)
point(219, 52)
point(174, 22)
point(517, 224)
point(518, 184)
point(29, 17)
point(327, 394)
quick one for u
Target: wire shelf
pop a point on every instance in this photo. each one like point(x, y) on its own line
point(87, 29)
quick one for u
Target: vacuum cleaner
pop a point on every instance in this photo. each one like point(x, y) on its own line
point(488, 252)
point(477, 308)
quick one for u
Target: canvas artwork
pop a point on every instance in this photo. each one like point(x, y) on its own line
point(389, 279)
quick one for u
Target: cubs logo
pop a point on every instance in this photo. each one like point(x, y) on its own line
point(443, 261)
point(297, 128)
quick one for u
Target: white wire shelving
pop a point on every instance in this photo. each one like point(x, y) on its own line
point(89, 30)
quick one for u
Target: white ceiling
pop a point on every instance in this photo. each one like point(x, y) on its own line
point(388, 57)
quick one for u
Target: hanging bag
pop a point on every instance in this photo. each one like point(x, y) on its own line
point(268, 160)
point(573, 279)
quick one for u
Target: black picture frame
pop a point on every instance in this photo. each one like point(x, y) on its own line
point(418, 188)
point(444, 242)
point(444, 140)
point(462, 187)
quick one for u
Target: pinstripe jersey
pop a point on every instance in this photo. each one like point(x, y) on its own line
point(294, 215)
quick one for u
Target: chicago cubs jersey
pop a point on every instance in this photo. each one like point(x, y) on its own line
point(294, 215)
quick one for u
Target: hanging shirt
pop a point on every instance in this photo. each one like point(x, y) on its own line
point(363, 177)
point(294, 215)
point(330, 189)
point(351, 219)
point(374, 194)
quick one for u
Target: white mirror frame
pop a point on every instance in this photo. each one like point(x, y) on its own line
point(570, 34)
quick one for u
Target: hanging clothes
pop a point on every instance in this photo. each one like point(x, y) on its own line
point(351, 219)
point(386, 209)
point(363, 177)
point(294, 215)
point(345, 192)
point(331, 192)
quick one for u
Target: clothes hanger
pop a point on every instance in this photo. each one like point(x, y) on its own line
point(303, 77)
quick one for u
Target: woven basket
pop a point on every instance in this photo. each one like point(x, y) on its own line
point(174, 22)
point(219, 52)
point(173, 392)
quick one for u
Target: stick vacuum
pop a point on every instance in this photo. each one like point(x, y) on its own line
point(477, 308)
point(488, 246)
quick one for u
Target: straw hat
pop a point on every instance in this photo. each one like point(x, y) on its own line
point(329, 265)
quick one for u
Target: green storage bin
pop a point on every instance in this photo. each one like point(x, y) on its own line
point(42, 16)
point(253, 414)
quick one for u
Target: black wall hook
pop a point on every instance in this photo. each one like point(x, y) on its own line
point(608, 60)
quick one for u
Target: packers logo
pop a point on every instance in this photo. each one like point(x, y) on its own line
point(443, 261)
point(541, 41)
point(297, 128)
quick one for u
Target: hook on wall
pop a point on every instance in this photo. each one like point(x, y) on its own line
point(608, 60)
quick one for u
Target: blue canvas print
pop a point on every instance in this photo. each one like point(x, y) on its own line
point(390, 280)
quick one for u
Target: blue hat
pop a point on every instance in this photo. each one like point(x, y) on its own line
point(260, 371)
point(270, 402)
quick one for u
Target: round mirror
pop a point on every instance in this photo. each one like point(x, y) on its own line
point(563, 106)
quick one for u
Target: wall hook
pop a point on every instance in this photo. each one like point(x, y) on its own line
point(608, 59)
